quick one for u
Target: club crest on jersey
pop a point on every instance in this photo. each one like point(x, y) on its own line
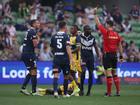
point(87, 43)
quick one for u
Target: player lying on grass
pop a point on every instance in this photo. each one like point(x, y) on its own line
point(50, 91)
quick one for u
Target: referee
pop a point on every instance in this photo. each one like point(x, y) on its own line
point(111, 44)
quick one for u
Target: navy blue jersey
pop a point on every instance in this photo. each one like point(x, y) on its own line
point(87, 43)
point(59, 42)
point(28, 47)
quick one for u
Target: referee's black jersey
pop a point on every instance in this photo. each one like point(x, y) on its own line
point(87, 43)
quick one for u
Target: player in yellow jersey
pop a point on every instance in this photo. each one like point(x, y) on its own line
point(50, 91)
point(75, 46)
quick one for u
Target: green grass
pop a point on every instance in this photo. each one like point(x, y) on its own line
point(130, 95)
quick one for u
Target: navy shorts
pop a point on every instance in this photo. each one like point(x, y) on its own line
point(89, 63)
point(29, 61)
point(62, 64)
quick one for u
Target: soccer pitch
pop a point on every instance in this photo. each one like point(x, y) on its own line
point(130, 95)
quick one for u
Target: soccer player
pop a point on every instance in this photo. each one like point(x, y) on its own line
point(50, 91)
point(111, 44)
point(29, 57)
point(87, 44)
point(60, 44)
point(75, 46)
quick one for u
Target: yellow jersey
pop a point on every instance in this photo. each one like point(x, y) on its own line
point(75, 42)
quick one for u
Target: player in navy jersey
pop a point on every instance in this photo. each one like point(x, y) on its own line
point(29, 57)
point(60, 44)
point(87, 44)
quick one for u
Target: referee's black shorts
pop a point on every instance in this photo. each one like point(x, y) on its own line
point(110, 61)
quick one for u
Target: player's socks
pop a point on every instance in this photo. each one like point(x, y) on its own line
point(82, 83)
point(74, 84)
point(79, 81)
point(55, 84)
point(76, 89)
point(34, 83)
point(26, 81)
point(117, 84)
point(109, 84)
point(90, 80)
point(65, 86)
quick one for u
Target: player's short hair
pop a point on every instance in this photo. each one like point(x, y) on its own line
point(76, 26)
point(32, 22)
point(61, 24)
point(86, 27)
point(110, 23)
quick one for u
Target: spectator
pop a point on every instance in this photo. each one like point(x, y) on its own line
point(59, 15)
point(43, 17)
point(1, 8)
point(45, 52)
point(7, 39)
point(104, 11)
point(133, 52)
point(7, 10)
point(33, 14)
point(11, 29)
point(125, 50)
point(89, 12)
point(59, 6)
point(117, 17)
point(23, 10)
point(1, 43)
point(134, 12)
point(126, 26)
point(79, 12)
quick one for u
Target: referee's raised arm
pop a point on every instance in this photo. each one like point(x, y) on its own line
point(96, 17)
point(99, 25)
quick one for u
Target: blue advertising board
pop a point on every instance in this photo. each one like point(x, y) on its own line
point(13, 72)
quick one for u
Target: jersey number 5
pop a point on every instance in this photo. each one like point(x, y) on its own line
point(59, 43)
